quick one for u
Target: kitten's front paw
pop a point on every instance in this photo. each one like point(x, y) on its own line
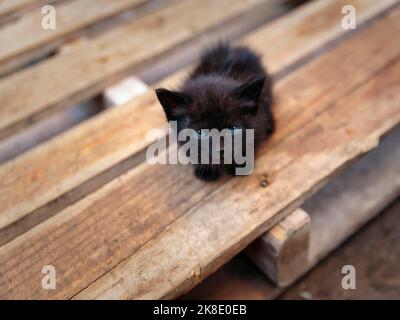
point(207, 172)
point(231, 168)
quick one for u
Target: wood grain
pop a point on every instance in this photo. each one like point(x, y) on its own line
point(73, 18)
point(282, 252)
point(293, 37)
point(67, 79)
point(238, 279)
point(34, 179)
point(70, 16)
point(337, 211)
point(373, 251)
point(182, 55)
point(354, 197)
point(7, 6)
point(12, 7)
point(121, 221)
point(225, 222)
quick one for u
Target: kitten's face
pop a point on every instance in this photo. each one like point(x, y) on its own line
point(211, 102)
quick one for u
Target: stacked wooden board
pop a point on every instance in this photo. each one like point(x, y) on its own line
point(333, 214)
point(115, 226)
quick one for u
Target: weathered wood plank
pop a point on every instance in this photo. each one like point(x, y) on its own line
point(187, 53)
point(7, 6)
point(337, 211)
point(319, 22)
point(43, 174)
point(10, 7)
point(236, 280)
point(373, 251)
point(354, 197)
point(95, 64)
point(50, 127)
point(225, 222)
point(72, 17)
point(88, 239)
point(167, 63)
point(282, 252)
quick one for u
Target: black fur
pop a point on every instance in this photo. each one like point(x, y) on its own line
point(229, 87)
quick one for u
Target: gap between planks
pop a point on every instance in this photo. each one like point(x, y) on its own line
point(345, 204)
point(101, 124)
point(185, 53)
point(282, 160)
point(200, 241)
point(108, 58)
point(34, 41)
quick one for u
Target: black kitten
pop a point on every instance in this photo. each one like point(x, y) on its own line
point(228, 89)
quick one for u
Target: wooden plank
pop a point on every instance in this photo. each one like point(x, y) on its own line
point(294, 37)
point(71, 16)
point(40, 132)
point(282, 252)
point(11, 7)
point(188, 53)
point(47, 129)
point(373, 251)
point(45, 173)
point(354, 197)
point(89, 238)
point(182, 55)
point(225, 222)
point(7, 6)
point(238, 279)
point(337, 211)
point(99, 62)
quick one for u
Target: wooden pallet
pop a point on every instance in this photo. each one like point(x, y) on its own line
point(115, 226)
point(304, 237)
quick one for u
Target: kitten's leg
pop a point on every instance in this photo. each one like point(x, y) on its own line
point(231, 168)
point(270, 121)
point(207, 172)
point(271, 124)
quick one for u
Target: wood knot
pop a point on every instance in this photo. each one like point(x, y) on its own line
point(264, 182)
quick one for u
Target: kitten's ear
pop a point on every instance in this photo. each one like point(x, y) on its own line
point(170, 99)
point(251, 90)
point(172, 102)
